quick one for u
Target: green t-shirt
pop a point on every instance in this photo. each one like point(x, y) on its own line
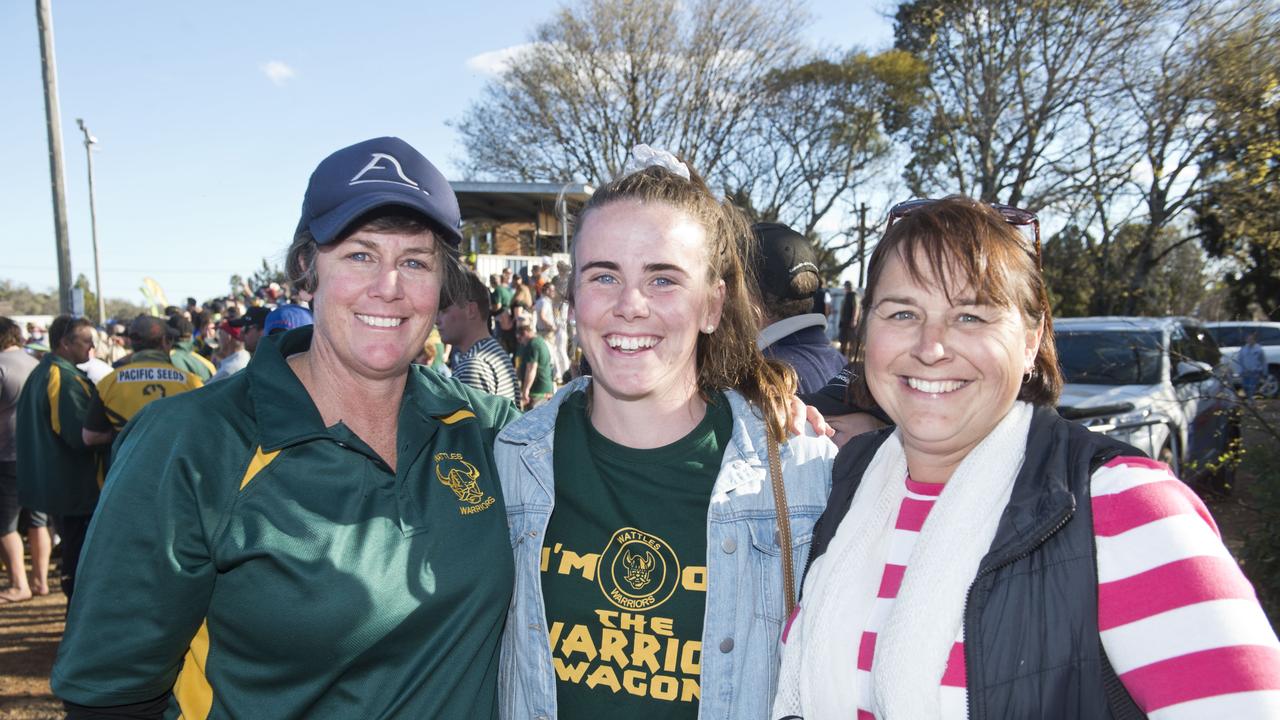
point(624, 567)
point(536, 350)
point(501, 296)
point(258, 563)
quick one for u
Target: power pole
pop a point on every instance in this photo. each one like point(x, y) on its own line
point(862, 245)
point(89, 142)
point(44, 22)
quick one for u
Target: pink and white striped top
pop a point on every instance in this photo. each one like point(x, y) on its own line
point(1179, 621)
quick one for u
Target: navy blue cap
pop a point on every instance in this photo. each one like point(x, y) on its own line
point(287, 317)
point(373, 174)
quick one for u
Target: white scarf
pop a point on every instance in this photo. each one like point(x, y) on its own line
point(913, 645)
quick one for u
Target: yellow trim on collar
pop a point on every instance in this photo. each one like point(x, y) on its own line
point(457, 416)
point(260, 460)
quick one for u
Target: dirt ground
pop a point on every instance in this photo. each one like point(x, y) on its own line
point(30, 631)
point(29, 635)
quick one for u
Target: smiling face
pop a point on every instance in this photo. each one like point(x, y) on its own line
point(375, 300)
point(946, 371)
point(641, 297)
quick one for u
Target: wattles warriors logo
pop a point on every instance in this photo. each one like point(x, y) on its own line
point(463, 479)
point(638, 571)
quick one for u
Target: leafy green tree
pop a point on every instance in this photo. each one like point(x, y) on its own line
point(266, 275)
point(1238, 212)
point(90, 298)
point(1086, 277)
point(22, 300)
point(1070, 272)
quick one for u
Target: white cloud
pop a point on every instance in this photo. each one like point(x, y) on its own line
point(495, 62)
point(278, 72)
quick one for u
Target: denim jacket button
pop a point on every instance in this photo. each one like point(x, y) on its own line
point(729, 545)
point(726, 645)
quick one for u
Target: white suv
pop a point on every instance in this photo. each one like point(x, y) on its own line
point(1231, 336)
point(1153, 383)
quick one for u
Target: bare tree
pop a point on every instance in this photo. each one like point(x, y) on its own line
point(1149, 131)
point(604, 75)
point(1009, 79)
point(818, 135)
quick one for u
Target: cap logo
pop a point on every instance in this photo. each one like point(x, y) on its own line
point(375, 164)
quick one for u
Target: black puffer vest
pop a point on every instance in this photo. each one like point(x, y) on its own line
point(1032, 648)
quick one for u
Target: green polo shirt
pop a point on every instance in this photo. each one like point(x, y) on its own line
point(57, 472)
point(260, 564)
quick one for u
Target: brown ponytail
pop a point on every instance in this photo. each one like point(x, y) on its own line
point(727, 359)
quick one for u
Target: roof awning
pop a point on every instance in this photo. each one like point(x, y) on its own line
point(504, 202)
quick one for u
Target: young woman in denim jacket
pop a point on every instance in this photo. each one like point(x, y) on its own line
point(649, 576)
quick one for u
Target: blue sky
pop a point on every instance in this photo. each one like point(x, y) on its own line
point(210, 117)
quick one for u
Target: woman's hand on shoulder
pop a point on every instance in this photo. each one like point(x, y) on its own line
point(799, 414)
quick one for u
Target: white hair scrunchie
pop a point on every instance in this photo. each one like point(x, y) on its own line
point(643, 156)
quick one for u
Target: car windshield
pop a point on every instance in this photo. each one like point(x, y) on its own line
point(1110, 358)
point(1228, 336)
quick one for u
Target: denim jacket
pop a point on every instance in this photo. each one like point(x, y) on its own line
point(744, 605)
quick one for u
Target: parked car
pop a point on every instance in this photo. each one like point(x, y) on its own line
point(1155, 383)
point(1231, 336)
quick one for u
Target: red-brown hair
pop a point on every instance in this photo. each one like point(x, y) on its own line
point(967, 244)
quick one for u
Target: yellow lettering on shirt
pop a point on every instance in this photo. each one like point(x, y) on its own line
point(570, 673)
point(645, 652)
point(604, 675)
point(694, 577)
point(661, 626)
point(584, 564)
point(613, 647)
point(579, 641)
point(624, 649)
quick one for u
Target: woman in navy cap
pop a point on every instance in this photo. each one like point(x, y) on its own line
point(320, 535)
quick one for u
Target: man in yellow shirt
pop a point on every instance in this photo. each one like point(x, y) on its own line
point(148, 376)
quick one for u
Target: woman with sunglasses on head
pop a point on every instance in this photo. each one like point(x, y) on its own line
point(986, 558)
point(643, 501)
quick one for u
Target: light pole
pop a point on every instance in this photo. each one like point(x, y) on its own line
point(53, 124)
point(89, 142)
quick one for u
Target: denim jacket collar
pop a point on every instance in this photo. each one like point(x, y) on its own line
point(740, 468)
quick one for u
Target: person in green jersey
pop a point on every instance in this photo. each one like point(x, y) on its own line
point(58, 474)
point(533, 365)
point(648, 539)
point(322, 534)
point(183, 354)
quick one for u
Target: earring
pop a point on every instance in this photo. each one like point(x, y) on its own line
point(709, 329)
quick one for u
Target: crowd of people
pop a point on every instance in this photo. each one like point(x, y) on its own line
point(642, 484)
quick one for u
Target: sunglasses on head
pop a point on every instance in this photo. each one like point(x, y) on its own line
point(1016, 217)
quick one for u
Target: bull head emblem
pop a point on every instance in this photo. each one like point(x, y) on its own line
point(638, 568)
point(459, 476)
